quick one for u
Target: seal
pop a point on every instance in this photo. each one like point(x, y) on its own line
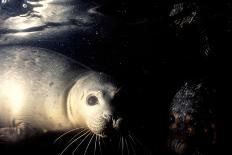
point(192, 120)
point(41, 90)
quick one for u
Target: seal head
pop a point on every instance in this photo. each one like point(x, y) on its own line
point(89, 104)
point(192, 126)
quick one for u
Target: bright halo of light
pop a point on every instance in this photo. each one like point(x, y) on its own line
point(22, 34)
point(14, 93)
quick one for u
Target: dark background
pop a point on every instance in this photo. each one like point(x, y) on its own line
point(152, 57)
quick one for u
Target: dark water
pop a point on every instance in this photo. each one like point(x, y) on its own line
point(136, 42)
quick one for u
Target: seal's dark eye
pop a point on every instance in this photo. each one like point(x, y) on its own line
point(171, 119)
point(92, 100)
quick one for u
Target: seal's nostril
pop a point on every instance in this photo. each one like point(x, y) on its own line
point(114, 117)
point(118, 123)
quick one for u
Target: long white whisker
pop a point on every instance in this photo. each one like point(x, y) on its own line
point(132, 139)
point(72, 143)
point(138, 141)
point(128, 151)
point(65, 134)
point(132, 147)
point(81, 142)
point(88, 144)
point(80, 133)
point(122, 145)
point(99, 142)
point(95, 144)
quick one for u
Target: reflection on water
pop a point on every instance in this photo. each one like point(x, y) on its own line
point(44, 19)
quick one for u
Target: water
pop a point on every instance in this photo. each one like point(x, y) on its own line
point(159, 59)
point(50, 23)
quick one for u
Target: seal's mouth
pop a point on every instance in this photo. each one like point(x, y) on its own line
point(108, 128)
point(179, 146)
point(104, 133)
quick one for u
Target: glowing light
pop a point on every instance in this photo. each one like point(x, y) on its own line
point(14, 93)
point(43, 12)
point(22, 34)
point(4, 1)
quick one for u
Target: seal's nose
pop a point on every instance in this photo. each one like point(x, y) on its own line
point(107, 116)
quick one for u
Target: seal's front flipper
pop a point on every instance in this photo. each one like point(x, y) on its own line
point(13, 134)
point(10, 134)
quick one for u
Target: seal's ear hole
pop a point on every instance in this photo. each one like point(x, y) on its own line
point(92, 100)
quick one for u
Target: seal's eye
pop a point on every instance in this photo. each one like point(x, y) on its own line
point(92, 100)
point(171, 119)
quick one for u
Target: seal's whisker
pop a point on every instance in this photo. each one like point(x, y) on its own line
point(138, 141)
point(66, 134)
point(72, 143)
point(122, 145)
point(132, 139)
point(128, 151)
point(132, 146)
point(89, 133)
point(99, 142)
point(95, 144)
point(135, 139)
point(79, 134)
point(88, 144)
